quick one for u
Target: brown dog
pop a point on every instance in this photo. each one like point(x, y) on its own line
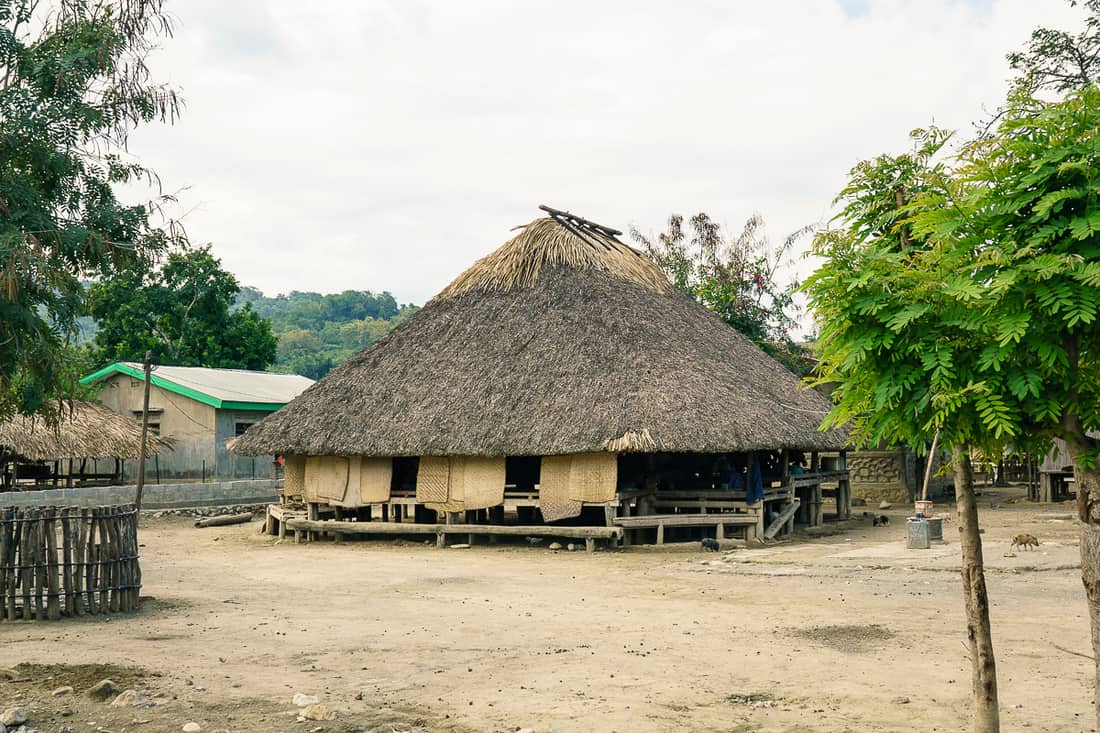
point(1024, 541)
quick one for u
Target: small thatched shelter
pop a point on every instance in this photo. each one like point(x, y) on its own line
point(564, 344)
point(77, 432)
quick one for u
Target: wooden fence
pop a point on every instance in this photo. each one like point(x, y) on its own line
point(68, 561)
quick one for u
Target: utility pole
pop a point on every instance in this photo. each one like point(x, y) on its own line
point(144, 432)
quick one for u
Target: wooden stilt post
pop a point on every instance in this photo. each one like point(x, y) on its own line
point(844, 488)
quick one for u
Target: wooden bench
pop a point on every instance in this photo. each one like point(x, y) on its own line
point(749, 520)
point(337, 528)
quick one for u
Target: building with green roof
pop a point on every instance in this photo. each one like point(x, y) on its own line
point(200, 409)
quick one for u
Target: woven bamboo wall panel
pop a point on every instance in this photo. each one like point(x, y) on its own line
point(554, 501)
point(593, 477)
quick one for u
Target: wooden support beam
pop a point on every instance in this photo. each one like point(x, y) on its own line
point(783, 518)
point(602, 533)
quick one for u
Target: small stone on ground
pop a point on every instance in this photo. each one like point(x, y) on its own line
point(13, 716)
point(102, 690)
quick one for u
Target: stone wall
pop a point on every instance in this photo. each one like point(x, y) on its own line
point(155, 496)
point(891, 475)
point(878, 475)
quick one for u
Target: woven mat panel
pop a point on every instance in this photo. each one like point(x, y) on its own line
point(482, 481)
point(375, 479)
point(593, 477)
point(312, 479)
point(351, 488)
point(456, 487)
point(294, 476)
point(554, 479)
point(433, 480)
point(332, 477)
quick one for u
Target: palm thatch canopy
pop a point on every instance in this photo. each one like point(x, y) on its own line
point(82, 430)
point(564, 340)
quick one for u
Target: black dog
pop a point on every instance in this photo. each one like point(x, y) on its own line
point(709, 543)
point(880, 521)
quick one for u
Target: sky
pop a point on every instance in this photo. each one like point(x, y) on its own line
point(375, 145)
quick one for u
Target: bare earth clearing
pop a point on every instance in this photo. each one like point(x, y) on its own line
point(821, 634)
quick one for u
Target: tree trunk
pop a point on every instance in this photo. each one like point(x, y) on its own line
point(979, 640)
point(1088, 511)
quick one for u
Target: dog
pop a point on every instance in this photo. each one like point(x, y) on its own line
point(1024, 541)
point(880, 520)
point(709, 544)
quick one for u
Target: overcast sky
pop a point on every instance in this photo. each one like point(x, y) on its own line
point(379, 145)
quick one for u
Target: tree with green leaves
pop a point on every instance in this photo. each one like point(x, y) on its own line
point(183, 313)
point(73, 85)
point(1057, 60)
point(1027, 211)
point(737, 277)
point(962, 297)
point(900, 341)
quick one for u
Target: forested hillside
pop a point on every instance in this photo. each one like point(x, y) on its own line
point(316, 332)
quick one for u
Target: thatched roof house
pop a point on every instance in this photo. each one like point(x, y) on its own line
point(564, 340)
point(81, 430)
point(560, 372)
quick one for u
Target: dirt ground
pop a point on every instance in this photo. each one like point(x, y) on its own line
point(848, 631)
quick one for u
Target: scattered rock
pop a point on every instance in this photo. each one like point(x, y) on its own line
point(885, 505)
point(857, 501)
point(318, 711)
point(191, 727)
point(131, 698)
point(526, 730)
point(62, 691)
point(301, 700)
point(572, 547)
point(460, 546)
point(8, 674)
point(66, 712)
point(901, 701)
point(555, 545)
point(13, 716)
point(102, 690)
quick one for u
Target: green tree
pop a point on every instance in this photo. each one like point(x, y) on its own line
point(182, 312)
point(73, 84)
point(1057, 60)
point(737, 277)
point(1027, 212)
point(897, 341)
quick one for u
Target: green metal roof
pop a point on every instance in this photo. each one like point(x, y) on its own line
point(226, 389)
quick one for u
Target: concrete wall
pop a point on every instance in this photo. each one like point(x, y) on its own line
point(229, 464)
point(189, 423)
point(162, 496)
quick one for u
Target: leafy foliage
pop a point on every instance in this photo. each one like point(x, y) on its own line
point(970, 305)
point(1039, 261)
point(73, 84)
point(317, 332)
point(1058, 60)
point(736, 277)
point(897, 326)
point(183, 313)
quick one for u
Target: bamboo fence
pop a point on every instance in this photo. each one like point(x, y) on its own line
point(68, 561)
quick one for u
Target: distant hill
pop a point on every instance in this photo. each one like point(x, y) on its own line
point(317, 332)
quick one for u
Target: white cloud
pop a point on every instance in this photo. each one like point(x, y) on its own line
point(386, 145)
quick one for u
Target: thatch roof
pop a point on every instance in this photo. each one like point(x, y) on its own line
point(564, 340)
point(82, 430)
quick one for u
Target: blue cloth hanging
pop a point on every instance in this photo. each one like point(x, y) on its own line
point(755, 491)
